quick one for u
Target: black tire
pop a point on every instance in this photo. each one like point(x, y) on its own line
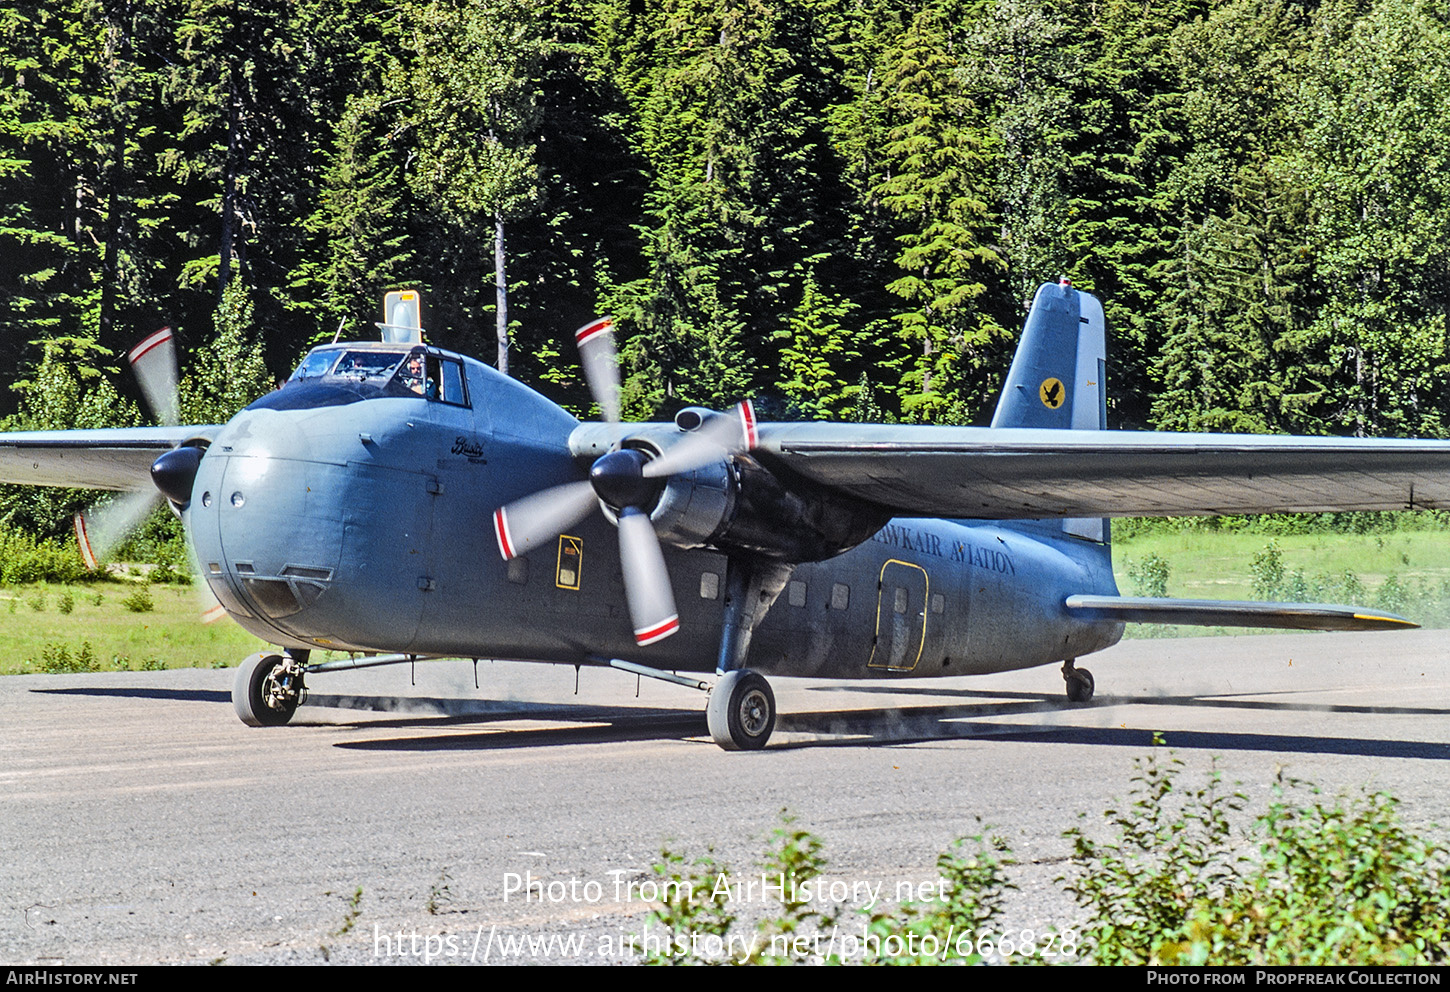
point(1080, 685)
point(249, 695)
point(741, 711)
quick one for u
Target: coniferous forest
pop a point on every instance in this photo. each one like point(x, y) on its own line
point(839, 207)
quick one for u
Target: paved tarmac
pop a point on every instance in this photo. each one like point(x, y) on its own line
point(140, 822)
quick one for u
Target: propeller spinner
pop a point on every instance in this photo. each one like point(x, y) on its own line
point(628, 482)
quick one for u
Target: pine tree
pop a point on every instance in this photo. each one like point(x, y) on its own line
point(475, 120)
point(230, 373)
point(817, 358)
point(933, 171)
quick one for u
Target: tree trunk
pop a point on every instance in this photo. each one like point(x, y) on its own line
point(229, 196)
point(501, 294)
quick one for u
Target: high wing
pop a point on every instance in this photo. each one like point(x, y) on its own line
point(112, 458)
point(997, 473)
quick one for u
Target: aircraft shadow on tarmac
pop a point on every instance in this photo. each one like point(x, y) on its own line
point(597, 724)
point(902, 725)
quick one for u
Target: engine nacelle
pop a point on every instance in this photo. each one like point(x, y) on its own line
point(738, 503)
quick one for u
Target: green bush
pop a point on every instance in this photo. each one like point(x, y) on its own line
point(56, 659)
point(25, 559)
point(1180, 882)
point(139, 601)
point(1149, 575)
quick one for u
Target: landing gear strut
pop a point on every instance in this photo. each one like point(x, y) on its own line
point(741, 711)
point(1079, 682)
point(268, 689)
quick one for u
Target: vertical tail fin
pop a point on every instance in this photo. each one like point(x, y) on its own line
point(1058, 376)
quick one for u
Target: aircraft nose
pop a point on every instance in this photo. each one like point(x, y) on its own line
point(266, 525)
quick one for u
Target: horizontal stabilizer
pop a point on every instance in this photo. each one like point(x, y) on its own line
point(1234, 613)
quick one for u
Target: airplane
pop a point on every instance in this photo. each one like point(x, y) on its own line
point(394, 501)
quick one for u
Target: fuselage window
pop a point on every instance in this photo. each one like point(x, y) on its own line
point(797, 594)
point(709, 585)
point(840, 596)
point(938, 603)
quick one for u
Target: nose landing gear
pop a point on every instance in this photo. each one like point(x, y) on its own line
point(268, 689)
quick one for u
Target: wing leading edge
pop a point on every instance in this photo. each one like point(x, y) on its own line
point(112, 458)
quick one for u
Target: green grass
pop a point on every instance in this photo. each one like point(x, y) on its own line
point(1217, 565)
point(170, 635)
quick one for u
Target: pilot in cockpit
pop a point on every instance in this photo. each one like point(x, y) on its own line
point(414, 377)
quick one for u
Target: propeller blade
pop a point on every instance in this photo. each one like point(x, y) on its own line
point(595, 342)
point(207, 604)
point(646, 580)
point(154, 362)
point(101, 528)
point(720, 436)
point(528, 522)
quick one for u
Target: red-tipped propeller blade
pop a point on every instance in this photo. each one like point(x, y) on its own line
point(101, 528)
point(595, 341)
point(722, 435)
point(154, 362)
point(529, 522)
point(646, 581)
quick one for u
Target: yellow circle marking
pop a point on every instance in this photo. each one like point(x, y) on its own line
point(1052, 393)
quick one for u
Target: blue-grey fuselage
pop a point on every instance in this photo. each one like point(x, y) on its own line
point(335, 515)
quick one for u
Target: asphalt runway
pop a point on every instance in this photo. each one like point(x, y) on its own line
point(140, 822)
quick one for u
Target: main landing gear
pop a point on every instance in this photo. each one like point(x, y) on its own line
point(1079, 682)
point(741, 711)
point(268, 689)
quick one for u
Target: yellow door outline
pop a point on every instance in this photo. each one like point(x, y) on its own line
point(881, 611)
point(569, 547)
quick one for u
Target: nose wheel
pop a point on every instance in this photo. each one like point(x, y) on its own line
point(741, 711)
point(268, 689)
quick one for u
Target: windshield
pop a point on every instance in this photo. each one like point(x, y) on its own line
point(345, 363)
point(336, 376)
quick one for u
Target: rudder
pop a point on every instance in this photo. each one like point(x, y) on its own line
point(1058, 376)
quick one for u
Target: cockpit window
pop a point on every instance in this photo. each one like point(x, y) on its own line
point(317, 364)
point(366, 366)
point(358, 366)
point(335, 376)
point(433, 376)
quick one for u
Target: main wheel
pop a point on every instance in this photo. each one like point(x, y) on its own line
point(1079, 685)
point(741, 711)
point(262, 694)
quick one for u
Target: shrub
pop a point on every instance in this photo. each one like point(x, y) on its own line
point(139, 601)
point(1313, 884)
point(56, 659)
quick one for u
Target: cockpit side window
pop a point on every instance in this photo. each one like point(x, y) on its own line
point(450, 379)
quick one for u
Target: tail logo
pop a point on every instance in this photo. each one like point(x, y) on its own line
point(1052, 393)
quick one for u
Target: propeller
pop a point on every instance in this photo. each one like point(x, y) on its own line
point(100, 529)
point(628, 482)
